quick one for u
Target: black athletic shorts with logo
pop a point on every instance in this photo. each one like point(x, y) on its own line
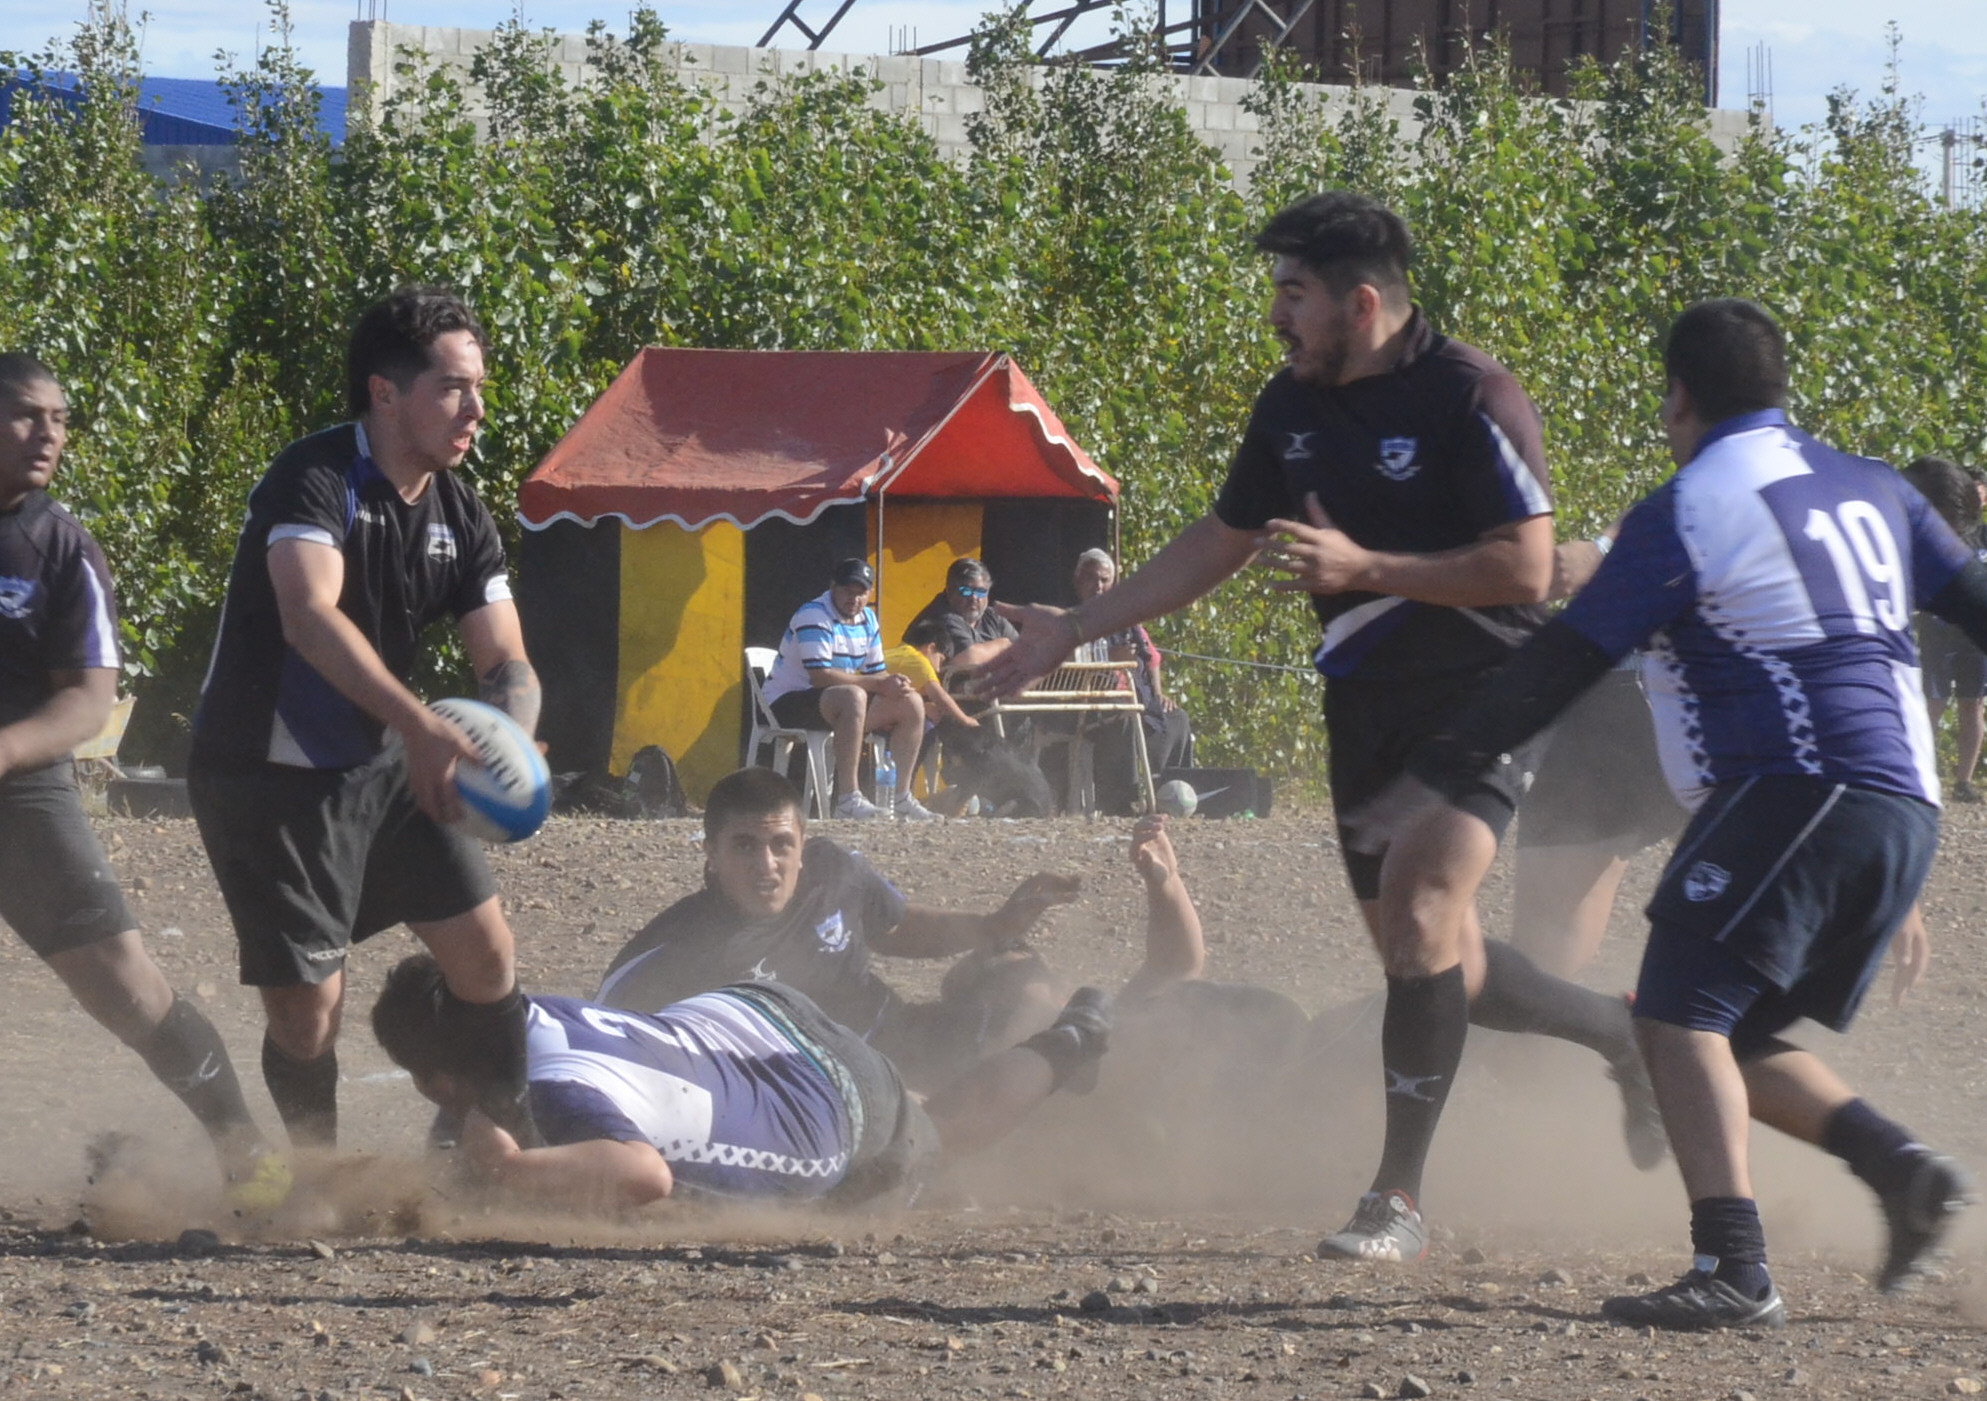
point(1373, 727)
point(311, 861)
point(1600, 779)
point(57, 889)
point(1801, 881)
point(1952, 665)
point(898, 1149)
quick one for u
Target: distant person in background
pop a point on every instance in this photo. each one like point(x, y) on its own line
point(1954, 668)
point(1169, 733)
point(58, 681)
point(974, 632)
point(830, 673)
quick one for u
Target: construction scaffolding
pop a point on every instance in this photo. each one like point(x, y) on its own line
point(1388, 42)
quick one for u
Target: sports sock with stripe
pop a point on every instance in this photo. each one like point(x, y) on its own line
point(1880, 1151)
point(189, 1058)
point(306, 1094)
point(1520, 996)
point(1421, 1046)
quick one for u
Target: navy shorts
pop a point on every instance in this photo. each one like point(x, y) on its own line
point(1779, 904)
point(1953, 666)
point(1372, 727)
point(1601, 780)
point(56, 886)
point(311, 861)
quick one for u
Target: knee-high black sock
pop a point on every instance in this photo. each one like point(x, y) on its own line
point(1730, 1243)
point(1520, 996)
point(1881, 1152)
point(190, 1059)
point(1421, 1044)
point(306, 1094)
point(489, 1043)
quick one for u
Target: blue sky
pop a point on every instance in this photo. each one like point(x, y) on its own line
point(1816, 45)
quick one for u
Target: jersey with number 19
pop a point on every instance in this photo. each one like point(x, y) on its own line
point(1778, 578)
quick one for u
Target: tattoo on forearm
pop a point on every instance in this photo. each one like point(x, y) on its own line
point(512, 687)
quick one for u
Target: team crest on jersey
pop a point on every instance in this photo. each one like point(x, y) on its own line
point(833, 934)
point(1299, 449)
point(17, 597)
point(441, 542)
point(1397, 458)
point(1705, 881)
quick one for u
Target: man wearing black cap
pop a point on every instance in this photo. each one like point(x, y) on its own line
point(830, 672)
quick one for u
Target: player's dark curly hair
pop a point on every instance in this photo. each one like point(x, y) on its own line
point(18, 370)
point(1346, 239)
point(750, 794)
point(392, 339)
point(1730, 355)
point(407, 1018)
point(1950, 490)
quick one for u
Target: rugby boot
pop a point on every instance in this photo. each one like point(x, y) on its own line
point(1695, 1303)
point(1385, 1227)
point(1919, 1215)
point(1077, 1040)
point(1641, 1117)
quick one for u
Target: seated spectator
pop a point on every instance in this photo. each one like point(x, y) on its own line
point(917, 659)
point(974, 630)
point(1169, 734)
point(830, 675)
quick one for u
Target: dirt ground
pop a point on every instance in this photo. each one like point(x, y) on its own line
point(1109, 1251)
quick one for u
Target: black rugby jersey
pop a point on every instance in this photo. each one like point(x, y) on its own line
point(818, 945)
point(56, 610)
point(1425, 457)
point(407, 564)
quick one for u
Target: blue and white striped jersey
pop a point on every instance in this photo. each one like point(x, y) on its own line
point(819, 637)
point(1774, 579)
point(720, 1087)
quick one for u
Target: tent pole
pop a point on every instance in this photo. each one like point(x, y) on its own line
point(879, 553)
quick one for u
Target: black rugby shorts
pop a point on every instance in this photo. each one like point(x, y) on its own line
point(56, 886)
point(1953, 666)
point(311, 861)
point(1600, 779)
point(1802, 880)
point(1373, 727)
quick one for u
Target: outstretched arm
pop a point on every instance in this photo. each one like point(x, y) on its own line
point(1175, 951)
point(601, 1174)
point(925, 932)
point(1197, 559)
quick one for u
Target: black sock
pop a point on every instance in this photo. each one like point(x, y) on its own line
point(1520, 996)
point(306, 1094)
point(489, 1042)
point(1882, 1153)
point(190, 1059)
point(1730, 1243)
point(1421, 1044)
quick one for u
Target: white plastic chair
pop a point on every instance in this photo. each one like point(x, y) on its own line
point(819, 790)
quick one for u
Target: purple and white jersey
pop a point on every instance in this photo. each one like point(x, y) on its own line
point(1776, 578)
point(716, 1085)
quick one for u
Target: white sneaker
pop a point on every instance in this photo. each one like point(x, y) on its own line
point(856, 808)
point(909, 809)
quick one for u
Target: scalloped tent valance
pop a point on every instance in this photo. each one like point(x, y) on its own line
point(695, 436)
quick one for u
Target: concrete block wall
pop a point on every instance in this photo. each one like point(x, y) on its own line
point(933, 92)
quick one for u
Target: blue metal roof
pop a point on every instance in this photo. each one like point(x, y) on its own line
point(184, 111)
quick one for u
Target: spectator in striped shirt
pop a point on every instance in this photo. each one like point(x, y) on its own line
point(830, 674)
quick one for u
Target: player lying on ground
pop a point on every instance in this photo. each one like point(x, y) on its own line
point(751, 1091)
point(58, 680)
point(807, 912)
point(1398, 478)
point(1773, 579)
point(323, 787)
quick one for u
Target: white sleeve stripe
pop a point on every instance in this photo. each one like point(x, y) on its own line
point(316, 534)
point(1518, 471)
point(103, 636)
point(497, 589)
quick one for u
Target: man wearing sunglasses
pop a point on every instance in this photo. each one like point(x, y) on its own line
point(974, 631)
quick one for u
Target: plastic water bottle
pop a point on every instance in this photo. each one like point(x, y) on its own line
point(886, 784)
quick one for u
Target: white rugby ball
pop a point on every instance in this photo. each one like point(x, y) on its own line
point(506, 796)
point(1177, 798)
